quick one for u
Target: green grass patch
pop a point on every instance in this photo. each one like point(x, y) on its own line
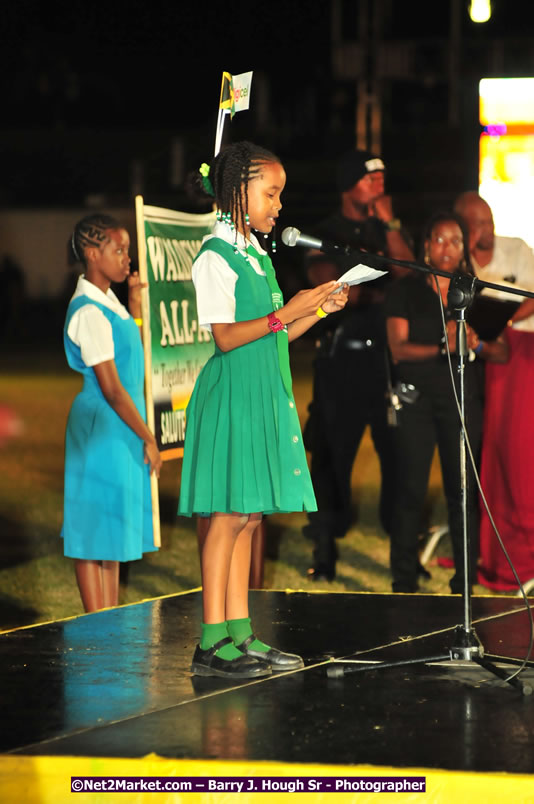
point(37, 582)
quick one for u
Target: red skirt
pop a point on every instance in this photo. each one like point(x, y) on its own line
point(507, 466)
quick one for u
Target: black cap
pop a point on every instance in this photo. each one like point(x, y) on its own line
point(353, 166)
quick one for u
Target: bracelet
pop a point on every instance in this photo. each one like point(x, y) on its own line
point(274, 323)
point(139, 322)
point(478, 348)
point(320, 313)
point(394, 225)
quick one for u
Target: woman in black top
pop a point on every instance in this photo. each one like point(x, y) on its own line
point(416, 341)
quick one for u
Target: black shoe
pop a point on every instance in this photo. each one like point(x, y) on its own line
point(423, 572)
point(457, 583)
point(278, 660)
point(206, 663)
point(321, 573)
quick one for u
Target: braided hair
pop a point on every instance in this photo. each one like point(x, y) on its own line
point(230, 173)
point(90, 231)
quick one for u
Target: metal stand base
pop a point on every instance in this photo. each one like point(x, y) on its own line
point(466, 647)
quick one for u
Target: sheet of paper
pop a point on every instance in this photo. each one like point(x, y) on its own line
point(360, 273)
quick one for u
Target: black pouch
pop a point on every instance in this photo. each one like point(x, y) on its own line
point(406, 392)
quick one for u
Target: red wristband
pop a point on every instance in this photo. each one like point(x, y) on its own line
point(275, 325)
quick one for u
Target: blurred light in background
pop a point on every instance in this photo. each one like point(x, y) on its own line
point(506, 167)
point(480, 10)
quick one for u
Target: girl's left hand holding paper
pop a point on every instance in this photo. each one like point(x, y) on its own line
point(336, 300)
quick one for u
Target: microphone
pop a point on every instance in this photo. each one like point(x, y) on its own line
point(291, 236)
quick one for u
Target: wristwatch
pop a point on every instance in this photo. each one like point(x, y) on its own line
point(394, 225)
point(275, 325)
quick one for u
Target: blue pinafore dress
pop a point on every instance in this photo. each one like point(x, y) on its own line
point(107, 502)
point(243, 450)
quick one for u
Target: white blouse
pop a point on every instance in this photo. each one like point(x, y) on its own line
point(215, 280)
point(513, 265)
point(89, 328)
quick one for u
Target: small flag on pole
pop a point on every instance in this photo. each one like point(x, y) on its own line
point(235, 97)
point(227, 94)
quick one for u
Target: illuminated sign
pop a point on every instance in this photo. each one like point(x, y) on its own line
point(506, 167)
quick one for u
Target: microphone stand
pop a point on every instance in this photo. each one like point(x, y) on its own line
point(466, 645)
point(382, 263)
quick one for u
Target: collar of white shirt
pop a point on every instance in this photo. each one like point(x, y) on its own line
point(225, 232)
point(108, 299)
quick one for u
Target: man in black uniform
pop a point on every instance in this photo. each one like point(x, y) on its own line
point(351, 365)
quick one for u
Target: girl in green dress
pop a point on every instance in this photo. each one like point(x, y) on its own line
point(243, 453)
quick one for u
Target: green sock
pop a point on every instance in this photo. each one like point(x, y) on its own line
point(211, 634)
point(239, 630)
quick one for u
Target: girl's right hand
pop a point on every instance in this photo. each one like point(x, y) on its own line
point(306, 302)
point(153, 457)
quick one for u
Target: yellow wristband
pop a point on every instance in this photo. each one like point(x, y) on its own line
point(320, 313)
point(139, 322)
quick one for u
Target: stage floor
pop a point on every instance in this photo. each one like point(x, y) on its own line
point(117, 684)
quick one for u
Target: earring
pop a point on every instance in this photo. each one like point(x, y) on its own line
point(247, 219)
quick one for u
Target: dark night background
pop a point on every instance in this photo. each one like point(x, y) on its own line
point(103, 100)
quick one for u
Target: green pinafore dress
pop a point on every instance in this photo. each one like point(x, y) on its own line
point(243, 450)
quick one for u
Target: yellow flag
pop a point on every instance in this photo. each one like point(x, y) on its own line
point(227, 94)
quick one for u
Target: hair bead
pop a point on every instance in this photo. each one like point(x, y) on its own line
point(230, 174)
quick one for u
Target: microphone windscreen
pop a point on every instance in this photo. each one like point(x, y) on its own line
point(290, 236)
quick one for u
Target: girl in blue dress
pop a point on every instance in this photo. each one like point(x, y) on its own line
point(243, 453)
point(109, 450)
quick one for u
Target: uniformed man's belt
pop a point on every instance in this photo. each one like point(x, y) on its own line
point(354, 344)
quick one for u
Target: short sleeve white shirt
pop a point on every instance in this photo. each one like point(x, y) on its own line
point(512, 264)
point(215, 280)
point(89, 328)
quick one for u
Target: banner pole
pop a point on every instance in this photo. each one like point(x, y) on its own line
point(145, 313)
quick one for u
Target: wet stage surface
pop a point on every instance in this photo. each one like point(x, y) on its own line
point(117, 684)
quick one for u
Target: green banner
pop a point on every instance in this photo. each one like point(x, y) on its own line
point(179, 347)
